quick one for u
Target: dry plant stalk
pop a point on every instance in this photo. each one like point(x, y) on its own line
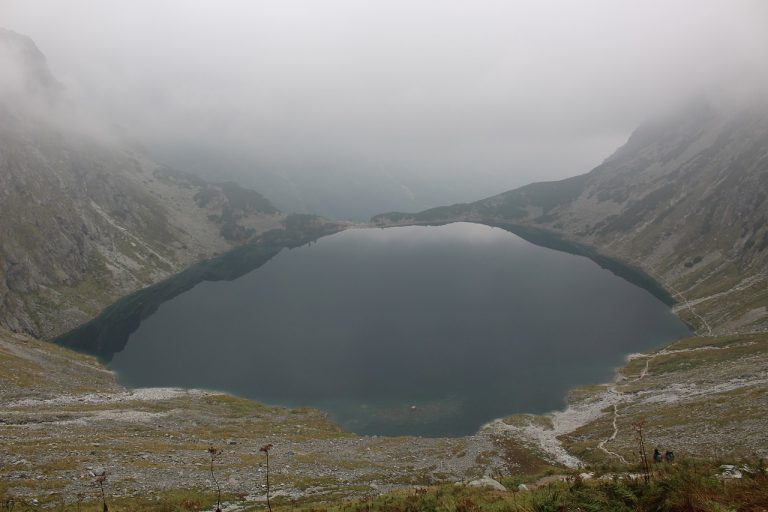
point(266, 449)
point(214, 452)
point(639, 425)
point(100, 479)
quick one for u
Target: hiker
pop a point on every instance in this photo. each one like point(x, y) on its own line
point(657, 455)
point(669, 456)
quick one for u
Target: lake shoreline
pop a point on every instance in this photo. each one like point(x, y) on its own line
point(261, 252)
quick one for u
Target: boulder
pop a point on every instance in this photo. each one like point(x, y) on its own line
point(487, 481)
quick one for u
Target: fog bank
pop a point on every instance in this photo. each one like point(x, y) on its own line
point(350, 108)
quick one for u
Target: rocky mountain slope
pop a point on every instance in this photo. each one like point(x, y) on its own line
point(684, 200)
point(85, 220)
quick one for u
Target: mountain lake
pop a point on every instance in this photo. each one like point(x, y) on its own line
point(419, 330)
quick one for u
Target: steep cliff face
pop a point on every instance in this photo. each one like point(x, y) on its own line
point(684, 200)
point(83, 219)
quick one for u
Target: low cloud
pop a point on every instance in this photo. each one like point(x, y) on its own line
point(481, 96)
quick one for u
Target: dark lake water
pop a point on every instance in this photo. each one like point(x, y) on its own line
point(411, 330)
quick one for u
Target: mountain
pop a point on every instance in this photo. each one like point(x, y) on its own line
point(681, 210)
point(684, 201)
point(84, 219)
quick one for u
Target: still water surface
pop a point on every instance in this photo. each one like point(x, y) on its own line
point(411, 330)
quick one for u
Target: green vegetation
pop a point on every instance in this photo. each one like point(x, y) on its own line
point(178, 500)
point(690, 486)
point(682, 487)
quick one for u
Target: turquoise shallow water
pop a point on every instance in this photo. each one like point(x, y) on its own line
point(412, 330)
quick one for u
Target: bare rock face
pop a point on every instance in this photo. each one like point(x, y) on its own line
point(684, 200)
point(84, 219)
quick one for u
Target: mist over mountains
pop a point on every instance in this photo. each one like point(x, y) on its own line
point(148, 148)
point(85, 179)
point(84, 218)
point(348, 110)
point(684, 199)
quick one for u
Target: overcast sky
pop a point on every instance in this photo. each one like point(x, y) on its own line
point(486, 95)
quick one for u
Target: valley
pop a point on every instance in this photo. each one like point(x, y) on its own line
point(460, 314)
point(95, 236)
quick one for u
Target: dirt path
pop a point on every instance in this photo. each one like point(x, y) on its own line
point(542, 433)
point(601, 444)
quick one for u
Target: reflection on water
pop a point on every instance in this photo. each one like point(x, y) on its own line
point(413, 330)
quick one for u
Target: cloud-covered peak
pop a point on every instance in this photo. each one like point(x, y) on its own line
point(25, 69)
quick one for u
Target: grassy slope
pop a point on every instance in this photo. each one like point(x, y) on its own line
point(702, 397)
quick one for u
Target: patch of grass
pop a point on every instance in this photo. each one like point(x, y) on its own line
point(237, 407)
point(689, 487)
point(522, 420)
point(178, 500)
point(583, 392)
point(330, 459)
point(690, 360)
point(715, 341)
point(305, 482)
point(41, 486)
point(62, 464)
point(18, 371)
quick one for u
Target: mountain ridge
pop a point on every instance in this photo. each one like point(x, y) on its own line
point(84, 219)
point(683, 200)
